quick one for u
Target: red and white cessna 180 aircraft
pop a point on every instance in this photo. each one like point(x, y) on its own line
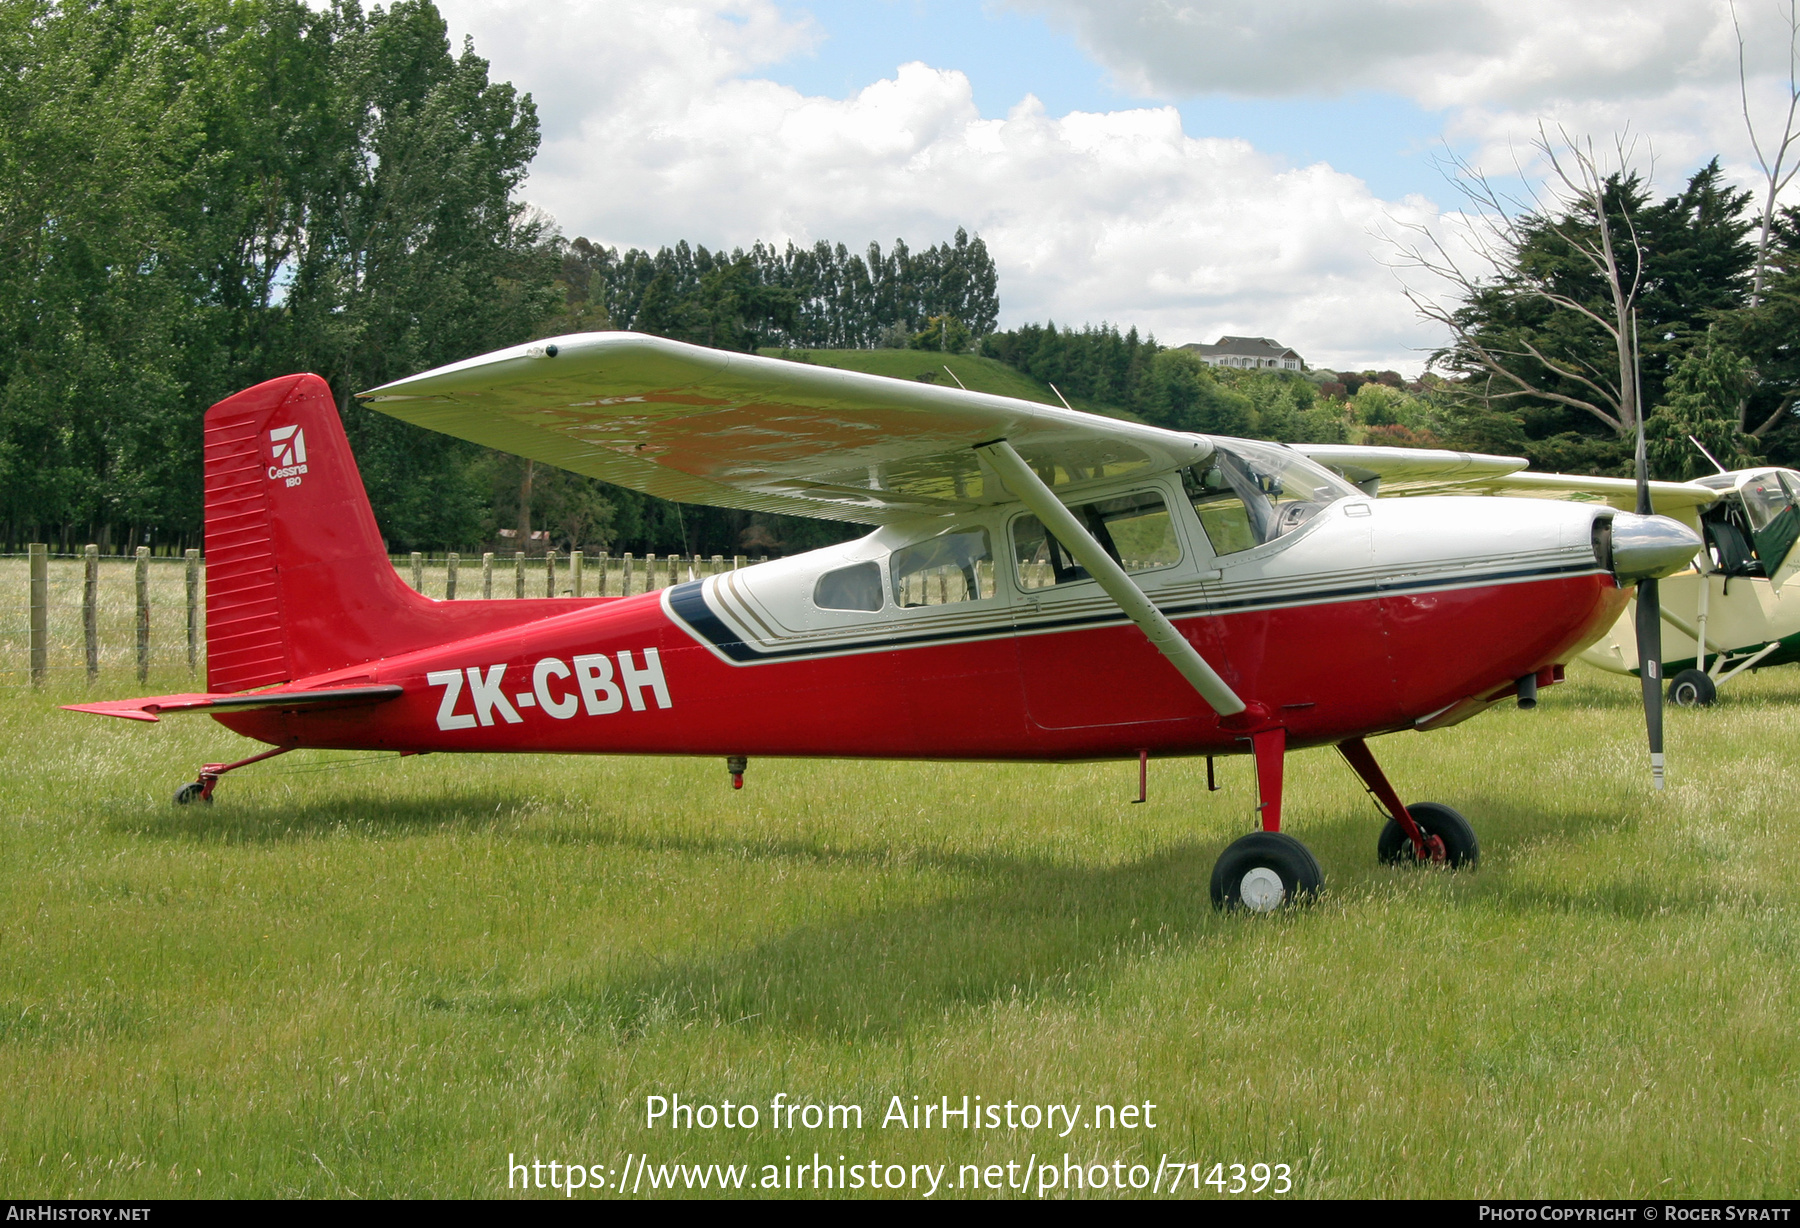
point(1041, 584)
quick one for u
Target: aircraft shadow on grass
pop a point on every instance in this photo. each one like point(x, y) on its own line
point(1026, 929)
point(1017, 927)
point(374, 817)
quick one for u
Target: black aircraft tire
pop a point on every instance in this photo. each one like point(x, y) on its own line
point(1461, 848)
point(188, 793)
point(1245, 875)
point(1692, 689)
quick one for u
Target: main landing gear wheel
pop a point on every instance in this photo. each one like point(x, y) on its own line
point(192, 791)
point(1449, 829)
point(1264, 871)
point(1692, 689)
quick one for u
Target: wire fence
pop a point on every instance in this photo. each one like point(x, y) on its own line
point(461, 577)
point(69, 617)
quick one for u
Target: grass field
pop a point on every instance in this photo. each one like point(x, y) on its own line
point(382, 979)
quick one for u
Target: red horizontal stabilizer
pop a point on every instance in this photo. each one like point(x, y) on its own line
point(153, 707)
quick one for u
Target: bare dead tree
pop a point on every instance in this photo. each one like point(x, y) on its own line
point(1778, 172)
point(1495, 231)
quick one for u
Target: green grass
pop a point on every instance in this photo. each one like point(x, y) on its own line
point(977, 374)
point(382, 979)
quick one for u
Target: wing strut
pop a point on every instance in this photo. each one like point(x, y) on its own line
point(1075, 538)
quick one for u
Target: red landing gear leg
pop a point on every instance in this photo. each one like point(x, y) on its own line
point(202, 789)
point(1266, 869)
point(1356, 753)
point(1270, 747)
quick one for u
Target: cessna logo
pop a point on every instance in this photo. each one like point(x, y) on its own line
point(288, 444)
point(592, 686)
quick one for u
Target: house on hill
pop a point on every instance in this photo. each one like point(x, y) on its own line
point(1254, 353)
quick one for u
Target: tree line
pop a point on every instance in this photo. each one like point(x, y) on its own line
point(196, 195)
point(819, 297)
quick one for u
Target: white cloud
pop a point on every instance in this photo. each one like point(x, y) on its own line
point(657, 129)
point(1440, 53)
point(1664, 71)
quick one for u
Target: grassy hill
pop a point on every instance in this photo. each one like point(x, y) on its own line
point(977, 374)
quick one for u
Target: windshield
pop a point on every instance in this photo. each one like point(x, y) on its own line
point(1764, 498)
point(1249, 493)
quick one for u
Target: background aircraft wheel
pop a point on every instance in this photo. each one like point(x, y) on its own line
point(1461, 848)
point(190, 792)
point(1692, 689)
point(1263, 871)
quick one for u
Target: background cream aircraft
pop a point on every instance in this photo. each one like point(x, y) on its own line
point(1736, 598)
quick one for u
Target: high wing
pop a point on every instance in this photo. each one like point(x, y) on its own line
point(1409, 470)
point(1413, 471)
point(736, 430)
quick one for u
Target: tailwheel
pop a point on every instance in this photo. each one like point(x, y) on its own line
point(1264, 871)
point(1448, 838)
point(192, 791)
point(1692, 689)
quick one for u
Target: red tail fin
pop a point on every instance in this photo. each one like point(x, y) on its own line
point(297, 576)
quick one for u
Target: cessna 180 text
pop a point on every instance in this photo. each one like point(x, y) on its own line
point(1039, 585)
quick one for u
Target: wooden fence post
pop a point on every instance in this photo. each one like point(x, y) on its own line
point(626, 590)
point(605, 558)
point(487, 575)
point(143, 612)
point(519, 575)
point(193, 608)
point(90, 609)
point(718, 564)
point(39, 633)
point(450, 563)
point(549, 571)
point(418, 562)
point(737, 562)
point(650, 571)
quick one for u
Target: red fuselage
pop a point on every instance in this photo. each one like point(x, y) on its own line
point(1326, 672)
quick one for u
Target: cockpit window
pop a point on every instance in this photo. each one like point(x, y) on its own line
point(1134, 529)
point(1250, 493)
point(856, 587)
point(1764, 498)
point(943, 570)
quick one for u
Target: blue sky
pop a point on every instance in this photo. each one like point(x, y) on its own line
point(1388, 141)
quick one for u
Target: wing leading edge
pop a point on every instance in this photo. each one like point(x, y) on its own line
point(1418, 471)
point(737, 430)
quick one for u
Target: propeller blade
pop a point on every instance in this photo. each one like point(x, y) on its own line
point(1649, 606)
point(1649, 646)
